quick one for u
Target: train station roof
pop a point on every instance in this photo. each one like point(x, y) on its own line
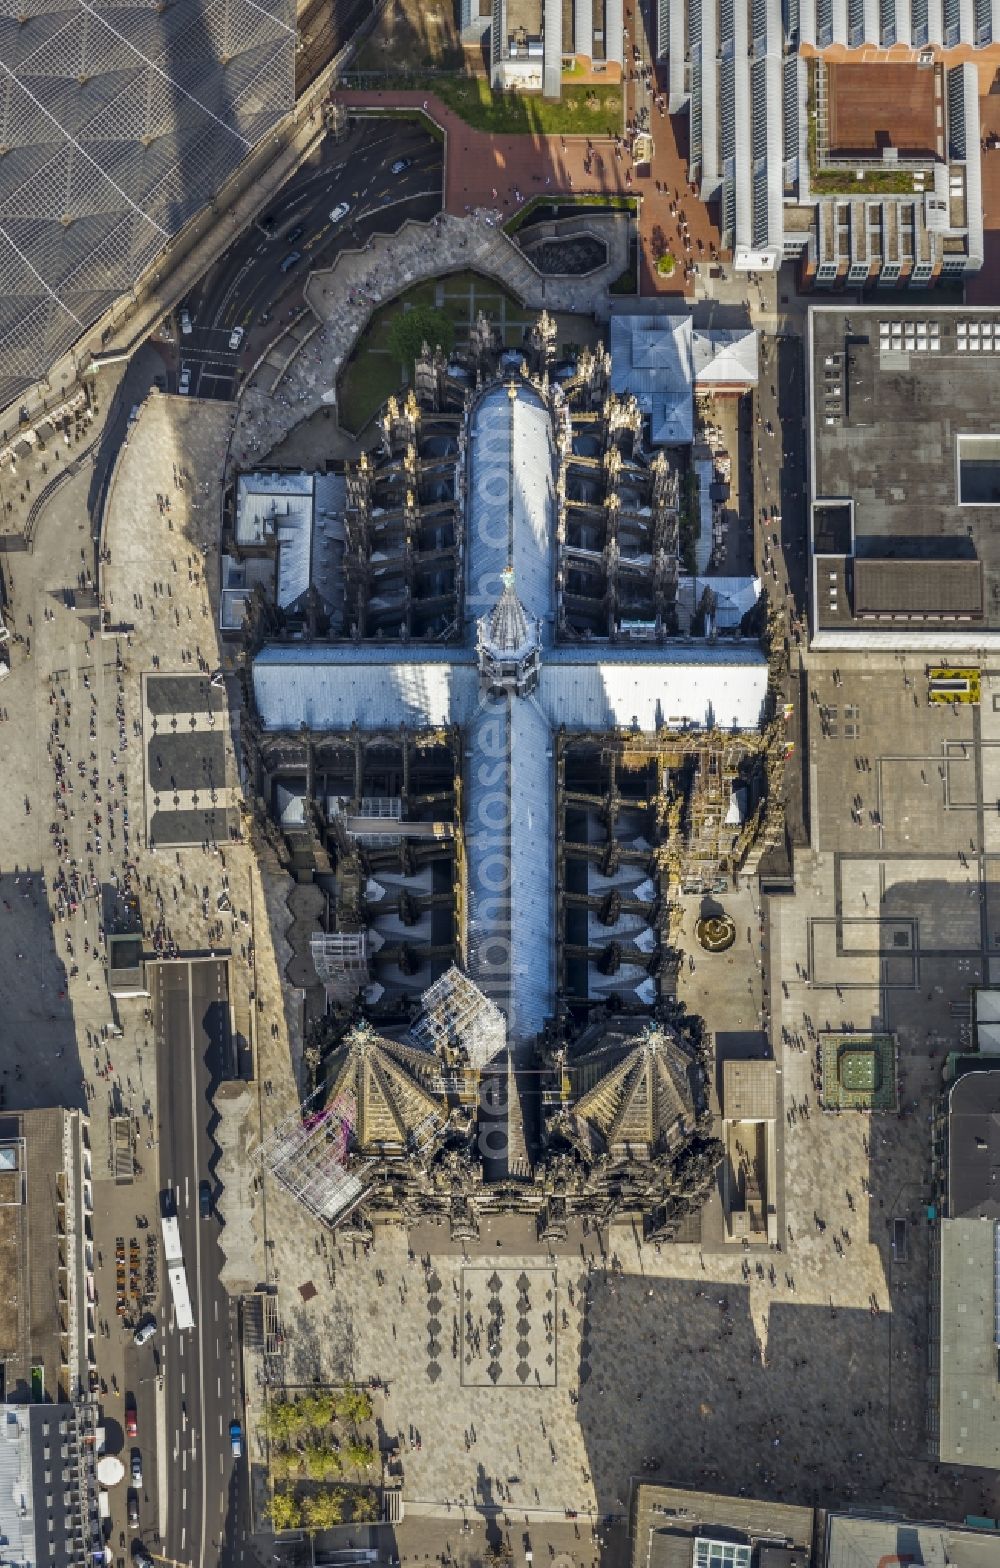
point(120, 123)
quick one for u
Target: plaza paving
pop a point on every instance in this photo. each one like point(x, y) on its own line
point(65, 1042)
point(798, 1373)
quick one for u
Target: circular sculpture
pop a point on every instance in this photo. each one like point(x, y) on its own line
point(716, 933)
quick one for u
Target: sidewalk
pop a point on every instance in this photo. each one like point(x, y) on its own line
point(983, 288)
point(288, 387)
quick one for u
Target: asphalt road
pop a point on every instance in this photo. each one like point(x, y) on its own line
point(247, 288)
point(200, 1487)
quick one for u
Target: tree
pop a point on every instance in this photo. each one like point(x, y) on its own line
point(316, 1410)
point(285, 1511)
point(412, 328)
point(282, 1420)
point(354, 1405)
point(317, 1459)
point(323, 1510)
point(358, 1452)
point(364, 1509)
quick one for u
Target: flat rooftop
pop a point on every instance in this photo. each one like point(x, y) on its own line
point(968, 1390)
point(855, 1541)
point(974, 1147)
point(668, 1521)
point(877, 105)
point(906, 468)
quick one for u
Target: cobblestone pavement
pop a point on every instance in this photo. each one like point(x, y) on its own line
point(797, 1372)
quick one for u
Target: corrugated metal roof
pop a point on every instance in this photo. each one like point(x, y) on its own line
point(651, 358)
point(510, 503)
point(973, 166)
point(510, 846)
point(265, 499)
point(725, 356)
point(330, 686)
point(17, 1530)
point(646, 696)
point(375, 694)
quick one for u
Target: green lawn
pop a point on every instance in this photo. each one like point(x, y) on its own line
point(372, 374)
point(581, 111)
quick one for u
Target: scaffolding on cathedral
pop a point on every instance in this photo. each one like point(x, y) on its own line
point(307, 1152)
point(456, 1016)
point(341, 962)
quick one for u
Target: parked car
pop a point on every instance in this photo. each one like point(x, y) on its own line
point(400, 166)
point(236, 337)
point(204, 1199)
point(340, 212)
point(184, 380)
point(145, 1330)
point(133, 1509)
point(136, 1468)
point(236, 1439)
point(140, 1556)
point(291, 260)
point(186, 322)
point(131, 1419)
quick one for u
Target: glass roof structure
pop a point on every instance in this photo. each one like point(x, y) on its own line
point(117, 124)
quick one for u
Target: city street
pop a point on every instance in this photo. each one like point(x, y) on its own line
point(202, 1501)
point(249, 290)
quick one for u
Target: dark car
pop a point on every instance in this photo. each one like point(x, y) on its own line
point(295, 234)
point(291, 260)
point(204, 1199)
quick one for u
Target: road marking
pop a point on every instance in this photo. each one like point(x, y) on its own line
point(187, 1193)
point(218, 1386)
point(183, 1533)
point(197, 1255)
point(184, 1460)
point(184, 1499)
point(216, 1309)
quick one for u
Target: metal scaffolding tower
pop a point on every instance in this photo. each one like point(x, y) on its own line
point(306, 1154)
point(457, 1016)
point(341, 962)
